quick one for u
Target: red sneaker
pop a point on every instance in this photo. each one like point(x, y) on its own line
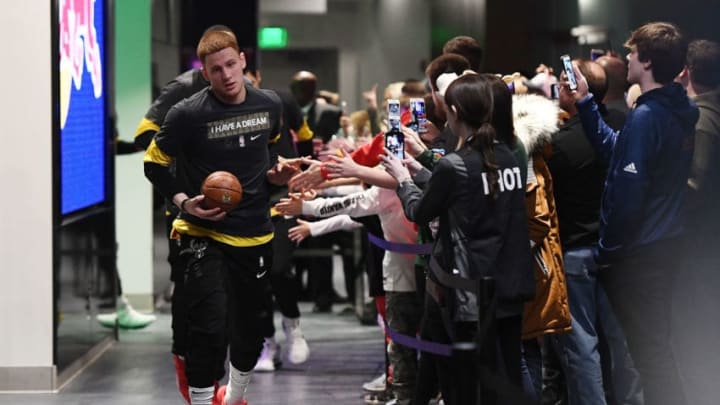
point(181, 378)
point(220, 397)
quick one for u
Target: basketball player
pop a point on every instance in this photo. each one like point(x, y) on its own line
point(229, 126)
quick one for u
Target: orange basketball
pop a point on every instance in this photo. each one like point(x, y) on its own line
point(221, 189)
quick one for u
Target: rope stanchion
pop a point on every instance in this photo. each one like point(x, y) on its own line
point(485, 353)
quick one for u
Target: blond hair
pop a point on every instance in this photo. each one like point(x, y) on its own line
point(360, 120)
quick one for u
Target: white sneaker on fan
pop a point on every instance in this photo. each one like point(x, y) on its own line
point(297, 347)
point(269, 357)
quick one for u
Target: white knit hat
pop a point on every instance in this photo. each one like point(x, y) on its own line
point(443, 82)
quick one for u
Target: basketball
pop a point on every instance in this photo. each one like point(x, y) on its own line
point(221, 189)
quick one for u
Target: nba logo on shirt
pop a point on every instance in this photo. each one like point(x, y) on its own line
point(241, 141)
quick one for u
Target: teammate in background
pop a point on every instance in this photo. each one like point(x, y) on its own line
point(228, 255)
point(295, 136)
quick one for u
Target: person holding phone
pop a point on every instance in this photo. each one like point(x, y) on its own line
point(642, 220)
point(486, 223)
point(394, 137)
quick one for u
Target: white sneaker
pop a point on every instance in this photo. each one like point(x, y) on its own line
point(126, 317)
point(107, 320)
point(297, 347)
point(269, 357)
point(377, 385)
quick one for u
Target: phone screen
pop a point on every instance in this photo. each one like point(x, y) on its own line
point(554, 91)
point(568, 67)
point(419, 119)
point(395, 143)
point(393, 112)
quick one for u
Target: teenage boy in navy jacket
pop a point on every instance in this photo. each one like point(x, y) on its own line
point(641, 218)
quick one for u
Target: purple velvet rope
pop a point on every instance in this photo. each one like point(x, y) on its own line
point(415, 249)
point(419, 344)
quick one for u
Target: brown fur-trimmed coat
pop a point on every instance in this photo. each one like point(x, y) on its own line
point(535, 120)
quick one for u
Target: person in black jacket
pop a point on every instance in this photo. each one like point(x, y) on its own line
point(478, 195)
point(578, 177)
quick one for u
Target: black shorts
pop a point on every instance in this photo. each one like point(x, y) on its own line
point(224, 295)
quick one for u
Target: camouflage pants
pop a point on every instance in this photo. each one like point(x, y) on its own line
point(403, 316)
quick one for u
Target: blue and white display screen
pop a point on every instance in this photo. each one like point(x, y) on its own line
point(83, 114)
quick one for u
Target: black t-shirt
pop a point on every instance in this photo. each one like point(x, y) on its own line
point(205, 135)
point(183, 86)
point(292, 119)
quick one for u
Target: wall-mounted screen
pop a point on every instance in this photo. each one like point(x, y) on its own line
point(83, 111)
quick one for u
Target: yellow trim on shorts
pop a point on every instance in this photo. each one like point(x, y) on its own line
point(274, 139)
point(153, 154)
point(180, 226)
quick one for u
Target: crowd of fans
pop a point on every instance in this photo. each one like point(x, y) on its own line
point(584, 206)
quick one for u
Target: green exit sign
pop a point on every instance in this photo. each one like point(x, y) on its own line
point(272, 38)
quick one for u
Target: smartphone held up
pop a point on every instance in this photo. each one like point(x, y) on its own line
point(394, 138)
point(569, 72)
point(418, 122)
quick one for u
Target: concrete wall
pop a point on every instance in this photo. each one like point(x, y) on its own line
point(26, 307)
point(165, 40)
point(378, 42)
point(133, 211)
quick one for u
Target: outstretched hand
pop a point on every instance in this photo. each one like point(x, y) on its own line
point(341, 166)
point(309, 178)
point(292, 205)
point(298, 233)
point(285, 169)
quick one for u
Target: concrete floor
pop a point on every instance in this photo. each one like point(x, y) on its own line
point(138, 369)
